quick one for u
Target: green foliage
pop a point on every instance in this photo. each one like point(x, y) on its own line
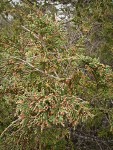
point(46, 89)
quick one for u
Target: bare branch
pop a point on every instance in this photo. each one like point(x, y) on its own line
point(26, 29)
point(6, 129)
point(40, 71)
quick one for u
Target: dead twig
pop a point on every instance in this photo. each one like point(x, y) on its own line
point(6, 129)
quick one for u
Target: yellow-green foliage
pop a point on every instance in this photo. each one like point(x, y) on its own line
point(47, 88)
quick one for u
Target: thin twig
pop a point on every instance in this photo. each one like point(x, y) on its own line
point(98, 144)
point(6, 129)
point(34, 35)
point(40, 71)
point(28, 30)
